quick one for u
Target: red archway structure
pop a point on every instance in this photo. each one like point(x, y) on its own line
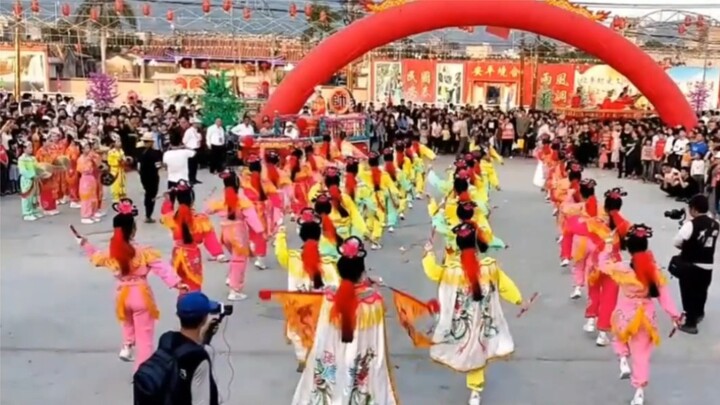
point(421, 16)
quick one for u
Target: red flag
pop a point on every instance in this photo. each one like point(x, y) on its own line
point(503, 33)
point(301, 309)
point(409, 310)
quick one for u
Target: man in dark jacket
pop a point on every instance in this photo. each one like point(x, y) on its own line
point(150, 160)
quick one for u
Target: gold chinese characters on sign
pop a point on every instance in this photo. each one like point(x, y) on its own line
point(377, 6)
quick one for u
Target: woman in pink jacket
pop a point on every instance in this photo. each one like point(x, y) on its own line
point(633, 322)
point(130, 263)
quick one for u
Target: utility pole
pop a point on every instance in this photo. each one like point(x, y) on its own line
point(521, 91)
point(18, 68)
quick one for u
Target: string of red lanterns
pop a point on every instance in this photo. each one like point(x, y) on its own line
point(247, 13)
point(65, 9)
point(35, 6)
point(18, 10)
point(206, 6)
point(308, 11)
point(688, 22)
point(227, 6)
point(94, 14)
point(170, 16)
point(146, 10)
point(119, 6)
point(293, 10)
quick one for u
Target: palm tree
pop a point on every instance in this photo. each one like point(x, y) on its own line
point(108, 18)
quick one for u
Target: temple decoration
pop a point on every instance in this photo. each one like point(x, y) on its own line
point(375, 7)
point(566, 5)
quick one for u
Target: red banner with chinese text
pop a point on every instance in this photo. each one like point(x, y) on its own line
point(419, 80)
point(492, 83)
point(410, 310)
point(301, 310)
point(558, 78)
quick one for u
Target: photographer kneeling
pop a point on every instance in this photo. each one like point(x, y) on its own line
point(693, 266)
point(180, 371)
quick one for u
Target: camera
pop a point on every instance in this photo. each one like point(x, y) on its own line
point(222, 310)
point(677, 214)
point(225, 310)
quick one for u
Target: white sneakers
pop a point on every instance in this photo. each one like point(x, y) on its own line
point(236, 296)
point(564, 262)
point(410, 204)
point(259, 264)
point(475, 398)
point(602, 339)
point(639, 398)
point(577, 293)
point(30, 218)
point(52, 213)
point(375, 246)
point(87, 221)
point(590, 325)
point(624, 368)
point(126, 353)
point(391, 229)
point(74, 204)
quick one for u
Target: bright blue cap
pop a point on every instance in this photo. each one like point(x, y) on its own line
point(196, 305)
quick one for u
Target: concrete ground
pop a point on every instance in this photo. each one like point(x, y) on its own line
point(60, 337)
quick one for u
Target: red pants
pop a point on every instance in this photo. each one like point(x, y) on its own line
point(259, 244)
point(602, 297)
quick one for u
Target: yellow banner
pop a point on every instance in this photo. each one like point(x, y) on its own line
point(302, 311)
point(409, 310)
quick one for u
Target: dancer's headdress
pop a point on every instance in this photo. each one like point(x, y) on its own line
point(468, 243)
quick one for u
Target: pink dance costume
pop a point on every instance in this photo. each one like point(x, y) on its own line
point(239, 218)
point(633, 322)
point(134, 301)
point(189, 230)
point(88, 186)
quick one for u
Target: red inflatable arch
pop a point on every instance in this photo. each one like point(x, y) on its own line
point(421, 16)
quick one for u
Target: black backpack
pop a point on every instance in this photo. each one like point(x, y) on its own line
point(158, 380)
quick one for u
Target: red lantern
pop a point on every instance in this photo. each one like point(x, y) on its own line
point(170, 15)
point(688, 20)
point(146, 10)
point(65, 10)
point(227, 5)
point(206, 6)
point(247, 13)
point(119, 6)
point(323, 16)
point(618, 23)
point(700, 21)
point(293, 10)
point(308, 11)
point(35, 6)
point(682, 29)
point(18, 10)
point(94, 14)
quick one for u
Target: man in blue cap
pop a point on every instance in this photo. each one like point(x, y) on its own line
point(196, 385)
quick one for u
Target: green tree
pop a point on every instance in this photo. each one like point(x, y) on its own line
point(317, 30)
point(108, 20)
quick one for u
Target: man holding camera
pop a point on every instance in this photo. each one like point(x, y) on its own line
point(693, 266)
point(180, 371)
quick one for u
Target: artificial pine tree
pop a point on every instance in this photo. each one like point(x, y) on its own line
point(103, 90)
point(545, 99)
point(698, 97)
point(218, 101)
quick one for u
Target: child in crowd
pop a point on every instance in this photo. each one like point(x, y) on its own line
point(446, 138)
point(604, 160)
point(698, 170)
point(647, 156)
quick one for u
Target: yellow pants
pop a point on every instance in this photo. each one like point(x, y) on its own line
point(475, 380)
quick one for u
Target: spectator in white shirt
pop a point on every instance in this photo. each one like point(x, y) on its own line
point(291, 131)
point(678, 149)
point(192, 140)
point(245, 128)
point(177, 161)
point(215, 136)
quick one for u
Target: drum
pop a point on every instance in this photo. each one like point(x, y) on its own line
point(44, 170)
point(107, 178)
point(62, 162)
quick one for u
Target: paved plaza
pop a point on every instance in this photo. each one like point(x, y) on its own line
point(60, 337)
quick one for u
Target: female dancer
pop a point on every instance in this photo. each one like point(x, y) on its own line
point(239, 218)
point(130, 263)
point(96, 154)
point(189, 229)
point(404, 164)
point(580, 247)
point(343, 212)
point(29, 184)
point(307, 269)
point(471, 329)
point(72, 176)
point(87, 186)
point(116, 160)
point(281, 183)
point(49, 190)
point(302, 178)
point(398, 177)
point(634, 326)
point(349, 342)
point(261, 192)
point(602, 290)
point(418, 153)
point(383, 201)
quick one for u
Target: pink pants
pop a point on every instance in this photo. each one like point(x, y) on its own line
point(236, 273)
point(580, 270)
point(259, 244)
point(603, 294)
point(138, 328)
point(570, 228)
point(638, 350)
